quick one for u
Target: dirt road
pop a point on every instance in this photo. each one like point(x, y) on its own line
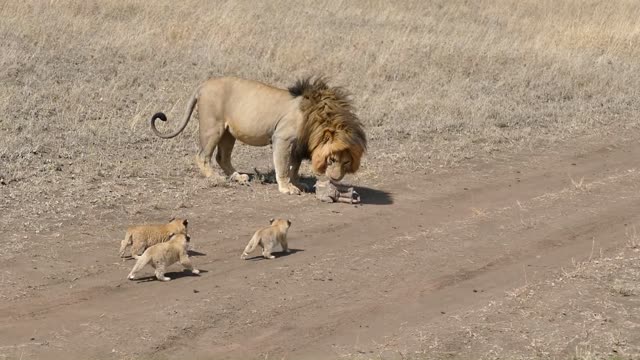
point(420, 248)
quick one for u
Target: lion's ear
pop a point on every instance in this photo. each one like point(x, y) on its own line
point(271, 221)
point(288, 222)
point(172, 219)
point(185, 222)
point(328, 135)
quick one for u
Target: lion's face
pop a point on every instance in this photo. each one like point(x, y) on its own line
point(336, 165)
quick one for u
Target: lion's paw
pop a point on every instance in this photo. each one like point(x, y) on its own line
point(290, 189)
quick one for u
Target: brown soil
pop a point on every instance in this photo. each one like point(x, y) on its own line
point(416, 255)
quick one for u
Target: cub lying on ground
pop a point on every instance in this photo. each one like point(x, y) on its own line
point(143, 236)
point(165, 254)
point(327, 191)
point(268, 237)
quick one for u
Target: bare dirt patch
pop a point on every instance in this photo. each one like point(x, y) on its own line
point(363, 280)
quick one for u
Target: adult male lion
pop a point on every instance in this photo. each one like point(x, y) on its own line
point(310, 120)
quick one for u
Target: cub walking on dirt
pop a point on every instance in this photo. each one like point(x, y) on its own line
point(268, 237)
point(143, 236)
point(165, 254)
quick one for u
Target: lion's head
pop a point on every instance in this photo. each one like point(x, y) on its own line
point(332, 135)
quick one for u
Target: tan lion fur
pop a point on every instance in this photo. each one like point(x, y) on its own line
point(143, 236)
point(163, 255)
point(310, 120)
point(268, 237)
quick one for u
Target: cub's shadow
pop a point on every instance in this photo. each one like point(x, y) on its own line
point(173, 275)
point(368, 196)
point(189, 252)
point(195, 253)
point(277, 254)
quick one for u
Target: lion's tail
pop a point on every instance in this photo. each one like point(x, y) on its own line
point(253, 243)
point(185, 121)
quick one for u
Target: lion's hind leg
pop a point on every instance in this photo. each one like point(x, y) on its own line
point(160, 273)
point(142, 261)
point(285, 245)
point(125, 242)
point(223, 153)
point(211, 132)
point(186, 263)
point(138, 247)
point(266, 250)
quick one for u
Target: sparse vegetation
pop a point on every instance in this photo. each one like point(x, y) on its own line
point(435, 83)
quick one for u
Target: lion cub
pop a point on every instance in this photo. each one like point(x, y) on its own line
point(165, 254)
point(143, 236)
point(268, 237)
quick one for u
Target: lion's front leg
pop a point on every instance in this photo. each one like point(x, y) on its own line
point(186, 263)
point(294, 176)
point(281, 162)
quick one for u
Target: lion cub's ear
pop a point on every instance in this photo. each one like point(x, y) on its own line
point(288, 222)
point(271, 220)
point(188, 238)
point(185, 222)
point(172, 219)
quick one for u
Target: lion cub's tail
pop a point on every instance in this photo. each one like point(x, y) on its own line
point(253, 243)
point(185, 121)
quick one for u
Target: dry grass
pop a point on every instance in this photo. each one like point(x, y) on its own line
point(587, 312)
point(434, 83)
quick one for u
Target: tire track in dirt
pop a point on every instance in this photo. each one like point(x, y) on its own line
point(363, 274)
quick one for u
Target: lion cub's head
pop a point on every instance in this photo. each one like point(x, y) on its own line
point(281, 223)
point(178, 225)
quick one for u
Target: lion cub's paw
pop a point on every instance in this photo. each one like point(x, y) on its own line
point(195, 271)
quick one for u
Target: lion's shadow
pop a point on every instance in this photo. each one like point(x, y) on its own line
point(368, 196)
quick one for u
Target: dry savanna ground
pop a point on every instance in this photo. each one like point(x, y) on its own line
point(501, 215)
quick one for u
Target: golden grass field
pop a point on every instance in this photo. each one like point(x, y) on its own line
point(437, 84)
